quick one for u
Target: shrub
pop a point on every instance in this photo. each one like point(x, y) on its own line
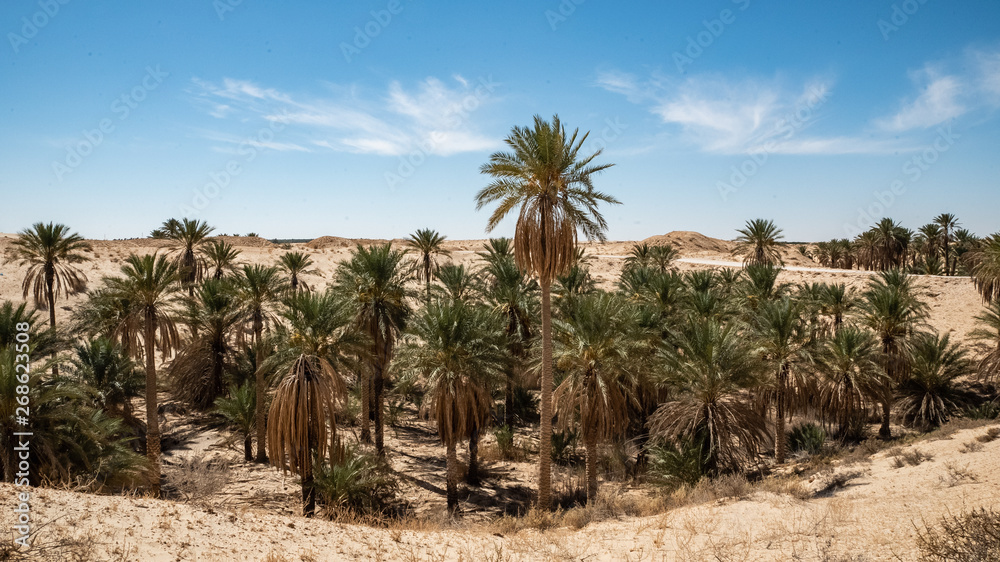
point(563, 444)
point(808, 437)
point(357, 482)
point(525, 405)
point(672, 466)
point(987, 411)
point(971, 536)
point(505, 441)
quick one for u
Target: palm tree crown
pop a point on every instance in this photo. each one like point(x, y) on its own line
point(759, 242)
point(49, 251)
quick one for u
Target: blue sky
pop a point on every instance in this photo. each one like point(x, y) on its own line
point(310, 118)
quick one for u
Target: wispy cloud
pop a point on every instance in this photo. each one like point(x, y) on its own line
point(433, 116)
point(937, 102)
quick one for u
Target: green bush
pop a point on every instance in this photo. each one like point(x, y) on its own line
point(505, 441)
point(987, 411)
point(808, 437)
point(563, 443)
point(674, 465)
point(358, 482)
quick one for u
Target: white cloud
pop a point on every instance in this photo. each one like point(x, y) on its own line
point(937, 102)
point(433, 116)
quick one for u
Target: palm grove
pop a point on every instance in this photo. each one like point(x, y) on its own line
point(694, 374)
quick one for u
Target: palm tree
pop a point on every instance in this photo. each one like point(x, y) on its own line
point(220, 257)
point(784, 339)
point(458, 282)
point(428, 244)
point(931, 236)
point(49, 251)
point(759, 242)
point(893, 312)
point(198, 372)
point(460, 349)
point(965, 242)
point(850, 379)
point(948, 223)
point(760, 285)
point(866, 249)
point(639, 256)
point(545, 176)
point(259, 289)
point(496, 249)
point(188, 235)
point(313, 352)
point(836, 301)
point(104, 366)
point(373, 281)
point(988, 332)
point(296, 264)
point(985, 268)
point(662, 257)
point(890, 243)
point(240, 412)
point(148, 285)
point(596, 348)
point(929, 395)
point(711, 370)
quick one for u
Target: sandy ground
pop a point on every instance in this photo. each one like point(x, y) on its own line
point(249, 512)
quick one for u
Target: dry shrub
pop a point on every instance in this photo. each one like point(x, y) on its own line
point(971, 447)
point(990, 435)
point(785, 485)
point(913, 457)
point(197, 479)
point(971, 536)
point(955, 475)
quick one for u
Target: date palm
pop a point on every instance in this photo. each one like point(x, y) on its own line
point(427, 244)
point(985, 268)
point(891, 309)
point(758, 241)
point(220, 257)
point(458, 282)
point(148, 285)
point(639, 256)
point(662, 257)
point(296, 264)
point(188, 235)
point(50, 252)
point(460, 349)
point(948, 223)
point(239, 410)
point(849, 378)
point(783, 336)
point(836, 301)
point(929, 395)
point(259, 289)
point(988, 332)
point(198, 372)
point(373, 282)
point(314, 350)
point(545, 177)
point(104, 366)
point(496, 249)
point(598, 350)
point(710, 371)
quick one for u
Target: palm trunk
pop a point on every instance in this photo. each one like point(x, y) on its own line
point(260, 414)
point(452, 478)
point(472, 478)
point(366, 424)
point(7, 456)
point(508, 401)
point(545, 429)
point(780, 446)
point(884, 431)
point(248, 447)
point(590, 443)
point(50, 297)
point(152, 414)
point(379, 385)
point(427, 275)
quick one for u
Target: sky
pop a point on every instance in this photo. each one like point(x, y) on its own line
point(372, 118)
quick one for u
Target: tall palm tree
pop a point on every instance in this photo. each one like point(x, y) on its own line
point(866, 249)
point(49, 251)
point(965, 242)
point(428, 244)
point(988, 332)
point(188, 235)
point(836, 301)
point(782, 334)
point(373, 281)
point(933, 239)
point(148, 285)
point(758, 241)
point(596, 349)
point(710, 371)
point(929, 395)
point(892, 310)
point(850, 378)
point(948, 223)
point(546, 177)
point(220, 257)
point(296, 264)
point(459, 348)
point(259, 289)
point(198, 372)
point(314, 351)
point(890, 242)
point(985, 268)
